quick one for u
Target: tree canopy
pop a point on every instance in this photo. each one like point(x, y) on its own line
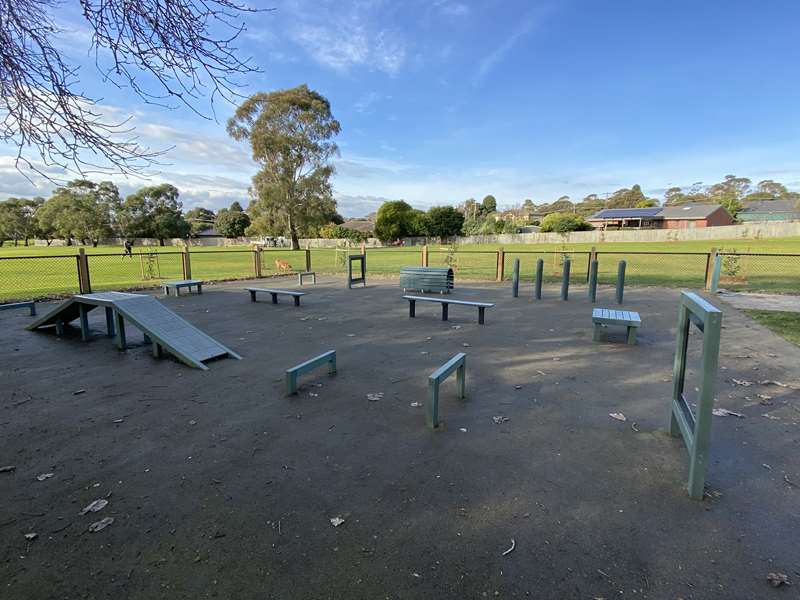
point(290, 134)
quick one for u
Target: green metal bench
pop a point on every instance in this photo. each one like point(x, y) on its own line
point(602, 317)
point(427, 279)
point(292, 374)
point(14, 305)
point(182, 283)
point(275, 293)
point(445, 302)
point(459, 364)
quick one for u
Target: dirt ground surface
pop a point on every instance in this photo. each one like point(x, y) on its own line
point(220, 486)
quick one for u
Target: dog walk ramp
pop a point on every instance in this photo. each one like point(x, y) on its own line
point(160, 326)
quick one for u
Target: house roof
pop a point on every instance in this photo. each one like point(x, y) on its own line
point(770, 206)
point(358, 225)
point(627, 213)
point(692, 210)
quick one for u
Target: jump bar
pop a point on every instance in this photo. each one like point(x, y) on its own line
point(328, 357)
point(459, 364)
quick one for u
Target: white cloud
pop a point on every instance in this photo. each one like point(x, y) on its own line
point(452, 9)
point(488, 62)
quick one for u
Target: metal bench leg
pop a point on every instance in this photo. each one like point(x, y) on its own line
point(199, 288)
point(33, 310)
point(299, 279)
point(166, 290)
point(314, 278)
point(597, 331)
point(121, 342)
point(297, 300)
point(291, 383)
point(412, 308)
point(432, 404)
point(632, 336)
point(109, 321)
point(177, 291)
point(445, 306)
point(59, 327)
point(252, 296)
point(481, 313)
point(274, 298)
point(461, 381)
point(83, 313)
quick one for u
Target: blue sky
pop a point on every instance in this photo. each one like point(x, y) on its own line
point(444, 100)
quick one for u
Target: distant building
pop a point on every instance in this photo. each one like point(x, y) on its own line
point(682, 216)
point(209, 232)
point(360, 225)
point(769, 210)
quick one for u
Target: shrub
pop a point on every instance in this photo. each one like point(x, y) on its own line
point(564, 222)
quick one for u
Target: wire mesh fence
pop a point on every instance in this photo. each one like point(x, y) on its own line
point(26, 277)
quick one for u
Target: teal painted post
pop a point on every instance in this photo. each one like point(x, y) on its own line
point(539, 273)
point(715, 275)
point(432, 404)
point(515, 279)
point(83, 313)
point(593, 281)
point(121, 342)
point(620, 281)
point(109, 321)
point(461, 379)
point(565, 280)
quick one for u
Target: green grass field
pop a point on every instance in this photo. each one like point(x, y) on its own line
point(785, 324)
point(53, 270)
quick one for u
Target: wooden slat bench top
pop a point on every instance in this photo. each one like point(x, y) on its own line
point(450, 301)
point(274, 291)
point(616, 317)
point(183, 282)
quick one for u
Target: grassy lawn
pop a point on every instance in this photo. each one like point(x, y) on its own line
point(56, 272)
point(785, 324)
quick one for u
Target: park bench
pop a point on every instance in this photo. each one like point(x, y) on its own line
point(445, 302)
point(275, 294)
point(183, 283)
point(604, 316)
point(13, 305)
point(311, 274)
point(427, 279)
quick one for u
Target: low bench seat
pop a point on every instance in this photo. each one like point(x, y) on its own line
point(14, 305)
point(445, 302)
point(182, 283)
point(275, 293)
point(602, 317)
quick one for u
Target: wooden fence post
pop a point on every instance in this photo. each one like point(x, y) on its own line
point(592, 258)
point(187, 263)
point(257, 262)
point(425, 255)
point(308, 259)
point(84, 281)
point(500, 271)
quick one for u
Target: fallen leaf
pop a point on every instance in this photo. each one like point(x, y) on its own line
point(375, 396)
point(511, 549)
point(618, 416)
point(742, 382)
point(724, 412)
point(773, 382)
point(8, 469)
point(463, 430)
point(778, 579)
point(44, 476)
point(78, 392)
point(95, 506)
point(31, 536)
point(101, 524)
point(499, 419)
point(336, 521)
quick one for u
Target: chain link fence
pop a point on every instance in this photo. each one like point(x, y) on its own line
point(36, 277)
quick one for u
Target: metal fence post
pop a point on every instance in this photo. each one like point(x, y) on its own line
point(84, 281)
point(539, 274)
point(620, 281)
point(593, 281)
point(565, 280)
point(500, 271)
point(515, 279)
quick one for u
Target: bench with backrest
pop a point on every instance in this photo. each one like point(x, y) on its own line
point(626, 318)
point(275, 293)
point(427, 279)
point(445, 302)
point(182, 283)
point(13, 305)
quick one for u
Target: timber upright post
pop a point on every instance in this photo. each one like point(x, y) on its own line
point(710, 258)
point(187, 263)
point(256, 262)
point(537, 293)
point(565, 280)
point(592, 257)
point(593, 281)
point(425, 255)
point(308, 259)
point(620, 281)
point(515, 279)
point(695, 427)
point(84, 281)
point(500, 270)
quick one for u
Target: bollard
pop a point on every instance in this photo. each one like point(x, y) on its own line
point(593, 281)
point(620, 281)
point(515, 279)
point(716, 273)
point(565, 280)
point(539, 272)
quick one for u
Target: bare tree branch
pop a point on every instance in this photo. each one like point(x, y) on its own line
point(168, 52)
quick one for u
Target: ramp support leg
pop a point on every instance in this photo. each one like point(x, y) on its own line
point(110, 321)
point(157, 350)
point(83, 313)
point(121, 343)
point(59, 327)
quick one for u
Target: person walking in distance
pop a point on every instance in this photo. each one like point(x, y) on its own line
point(128, 249)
